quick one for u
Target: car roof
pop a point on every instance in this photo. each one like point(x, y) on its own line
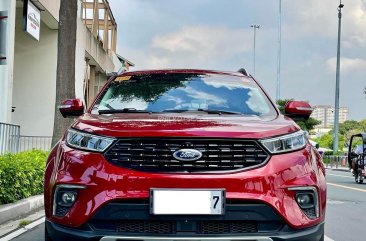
point(191, 71)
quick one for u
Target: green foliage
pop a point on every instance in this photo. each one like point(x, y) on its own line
point(306, 125)
point(21, 175)
point(24, 223)
point(352, 127)
point(326, 141)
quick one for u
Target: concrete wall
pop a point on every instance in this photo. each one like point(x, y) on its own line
point(52, 6)
point(6, 71)
point(32, 90)
point(34, 80)
point(88, 47)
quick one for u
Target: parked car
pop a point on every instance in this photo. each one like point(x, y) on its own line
point(184, 155)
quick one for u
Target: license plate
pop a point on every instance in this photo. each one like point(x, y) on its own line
point(187, 202)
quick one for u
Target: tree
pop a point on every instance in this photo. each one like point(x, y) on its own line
point(306, 125)
point(349, 125)
point(326, 141)
point(65, 77)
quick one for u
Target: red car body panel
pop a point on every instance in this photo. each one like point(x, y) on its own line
point(154, 125)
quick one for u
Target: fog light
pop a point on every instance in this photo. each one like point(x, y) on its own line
point(305, 200)
point(64, 198)
point(67, 199)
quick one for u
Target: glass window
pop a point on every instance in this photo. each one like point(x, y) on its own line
point(180, 92)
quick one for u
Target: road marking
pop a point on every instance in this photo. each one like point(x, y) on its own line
point(328, 174)
point(22, 230)
point(326, 238)
point(351, 188)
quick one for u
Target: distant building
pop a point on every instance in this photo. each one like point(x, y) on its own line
point(325, 114)
point(28, 62)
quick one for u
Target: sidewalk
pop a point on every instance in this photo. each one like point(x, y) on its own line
point(11, 214)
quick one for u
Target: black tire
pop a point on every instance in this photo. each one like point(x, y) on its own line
point(46, 236)
point(359, 177)
point(322, 238)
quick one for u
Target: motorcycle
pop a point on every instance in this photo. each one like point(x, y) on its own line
point(358, 157)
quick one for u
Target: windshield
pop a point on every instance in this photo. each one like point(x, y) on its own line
point(181, 92)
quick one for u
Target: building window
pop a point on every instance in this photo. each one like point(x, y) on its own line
point(3, 23)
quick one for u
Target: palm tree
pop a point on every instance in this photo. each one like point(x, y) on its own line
point(65, 80)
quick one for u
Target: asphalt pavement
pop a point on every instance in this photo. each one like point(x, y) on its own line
point(345, 218)
point(346, 207)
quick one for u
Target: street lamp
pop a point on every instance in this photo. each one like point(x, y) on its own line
point(336, 114)
point(255, 27)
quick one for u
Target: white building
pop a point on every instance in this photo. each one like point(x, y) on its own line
point(325, 114)
point(28, 66)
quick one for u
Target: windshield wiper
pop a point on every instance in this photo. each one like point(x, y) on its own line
point(208, 111)
point(124, 110)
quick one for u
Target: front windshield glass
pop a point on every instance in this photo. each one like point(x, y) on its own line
point(180, 92)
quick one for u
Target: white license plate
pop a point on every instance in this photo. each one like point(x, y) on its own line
point(187, 202)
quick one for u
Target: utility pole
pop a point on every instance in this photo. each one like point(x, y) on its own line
point(336, 112)
point(255, 27)
point(278, 90)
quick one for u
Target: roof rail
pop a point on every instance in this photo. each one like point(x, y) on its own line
point(243, 71)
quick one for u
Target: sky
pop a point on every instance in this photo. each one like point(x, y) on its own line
point(216, 34)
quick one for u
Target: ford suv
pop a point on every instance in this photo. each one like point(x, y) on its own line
point(184, 155)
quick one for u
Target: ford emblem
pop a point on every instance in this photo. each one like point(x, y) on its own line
point(187, 155)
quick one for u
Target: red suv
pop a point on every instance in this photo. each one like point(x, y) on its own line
point(184, 155)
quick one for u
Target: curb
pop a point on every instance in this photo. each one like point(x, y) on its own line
point(337, 169)
point(20, 208)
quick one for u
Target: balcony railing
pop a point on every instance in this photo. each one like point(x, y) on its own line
point(9, 138)
point(12, 142)
point(35, 142)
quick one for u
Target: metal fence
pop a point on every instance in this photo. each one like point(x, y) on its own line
point(35, 142)
point(335, 161)
point(9, 138)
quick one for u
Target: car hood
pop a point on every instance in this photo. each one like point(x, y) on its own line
point(184, 125)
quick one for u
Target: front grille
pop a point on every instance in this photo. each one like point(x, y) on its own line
point(171, 227)
point(228, 227)
point(150, 227)
point(156, 155)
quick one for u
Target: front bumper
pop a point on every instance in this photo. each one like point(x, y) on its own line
point(59, 233)
point(105, 183)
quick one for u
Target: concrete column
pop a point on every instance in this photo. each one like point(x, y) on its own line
point(6, 71)
point(114, 38)
point(91, 85)
point(95, 26)
point(106, 30)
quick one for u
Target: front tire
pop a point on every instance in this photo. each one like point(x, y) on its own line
point(359, 176)
point(46, 236)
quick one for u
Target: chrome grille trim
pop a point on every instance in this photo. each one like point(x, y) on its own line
point(156, 155)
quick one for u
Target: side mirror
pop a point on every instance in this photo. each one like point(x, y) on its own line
point(71, 108)
point(298, 110)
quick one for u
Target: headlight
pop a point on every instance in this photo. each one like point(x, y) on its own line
point(285, 143)
point(87, 141)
